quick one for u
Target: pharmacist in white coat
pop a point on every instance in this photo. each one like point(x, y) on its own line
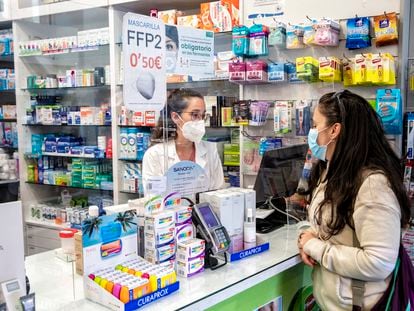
point(186, 114)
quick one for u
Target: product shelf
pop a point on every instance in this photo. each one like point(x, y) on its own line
point(62, 186)
point(130, 192)
point(11, 181)
point(30, 155)
point(45, 224)
point(69, 125)
point(8, 120)
point(67, 51)
point(7, 58)
point(130, 160)
point(36, 90)
point(12, 91)
point(8, 147)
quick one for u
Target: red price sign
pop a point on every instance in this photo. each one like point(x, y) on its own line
point(146, 62)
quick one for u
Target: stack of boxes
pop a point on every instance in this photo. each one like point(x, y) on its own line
point(190, 257)
point(230, 205)
point(159, 232)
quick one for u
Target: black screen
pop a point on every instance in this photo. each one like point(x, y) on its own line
point(279, 172)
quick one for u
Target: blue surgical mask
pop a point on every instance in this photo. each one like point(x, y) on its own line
point(317, 151)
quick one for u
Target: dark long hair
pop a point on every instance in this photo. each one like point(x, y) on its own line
point(360, 146)
point(177, 101)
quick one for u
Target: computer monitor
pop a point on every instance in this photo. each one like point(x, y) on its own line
point(279, 172)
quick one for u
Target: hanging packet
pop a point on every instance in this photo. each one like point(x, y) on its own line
point(330, 69)
point(294, 37)
point(360, 66)
point(385, 27)
point(327, 32)
point(389, 110)
point(307, 69)
point(277, 35)
point(357, 36)
point(292, 74)
point(276, 72)
point(348, 72)
point(240, 40)
point(303, 117)
point(258, 40)
point(309, 32)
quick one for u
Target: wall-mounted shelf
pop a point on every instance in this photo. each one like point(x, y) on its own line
point(64, 52)
point(37, 90)
point(63, 186)
point(8, 120)
point(70, 125)
point(61, 155)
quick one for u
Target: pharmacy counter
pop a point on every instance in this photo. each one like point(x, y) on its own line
point(241, 282)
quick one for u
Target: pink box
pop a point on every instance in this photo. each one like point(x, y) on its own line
point(256, 71)
point(237, 71)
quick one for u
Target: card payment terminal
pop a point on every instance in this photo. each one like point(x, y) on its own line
point(210, 228)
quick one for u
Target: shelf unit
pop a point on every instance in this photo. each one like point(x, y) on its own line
point(8, 188)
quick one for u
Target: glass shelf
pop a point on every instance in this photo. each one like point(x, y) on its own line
point(62, 186)
point(70, 125)
point(136, 126)
point(66, 51)
point(60, 155)
point(67, 88)
point(130, 160)
point(130, 192)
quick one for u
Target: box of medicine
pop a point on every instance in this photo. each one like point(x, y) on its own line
point(156, 238)
point(237, 71)
point(159, 220)
point(210, 16)
point(256, 71)
point(149, 118)
point(182, 214)
point(160, 254)
point(191, 267)
point(249, 198)
point(189, 249)
point(184, 232)
point(193, 21)
point(168, 16)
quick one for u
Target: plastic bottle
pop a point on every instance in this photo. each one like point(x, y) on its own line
point(249, 230)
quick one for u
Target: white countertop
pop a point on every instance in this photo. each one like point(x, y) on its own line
point(51, 278)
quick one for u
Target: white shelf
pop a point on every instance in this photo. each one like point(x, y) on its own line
point(45, 224)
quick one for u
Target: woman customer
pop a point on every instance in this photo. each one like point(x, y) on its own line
point(183, 130)
point(358, 203)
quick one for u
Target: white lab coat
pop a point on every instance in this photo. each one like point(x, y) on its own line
point(206, 156)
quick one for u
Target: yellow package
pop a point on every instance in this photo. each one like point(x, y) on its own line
point(330, 69)
point(349, 72)
point(385, 27)
point(381, 69)
point(360, 64)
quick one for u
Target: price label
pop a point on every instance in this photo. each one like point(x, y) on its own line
point(144, 62)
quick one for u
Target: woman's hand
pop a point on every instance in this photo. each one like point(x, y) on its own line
point(303, 238)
